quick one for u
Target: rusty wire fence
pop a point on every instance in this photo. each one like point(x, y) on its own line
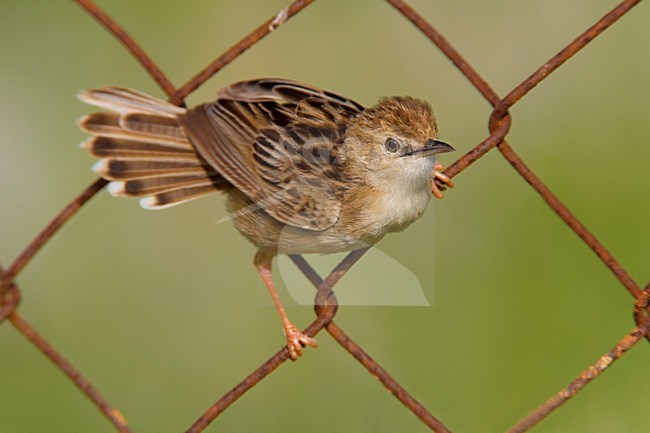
point(499, 125)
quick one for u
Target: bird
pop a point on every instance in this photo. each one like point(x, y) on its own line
point(304, 170)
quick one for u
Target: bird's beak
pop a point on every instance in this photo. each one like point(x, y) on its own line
point(432, 147)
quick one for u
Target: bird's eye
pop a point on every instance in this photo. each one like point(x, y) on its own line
point(391, 145)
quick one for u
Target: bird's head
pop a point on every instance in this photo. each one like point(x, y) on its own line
point(396, 141)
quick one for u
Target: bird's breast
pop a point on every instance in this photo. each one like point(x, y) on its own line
point(395, 208)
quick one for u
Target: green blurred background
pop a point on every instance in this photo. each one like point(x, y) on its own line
point(163, 311)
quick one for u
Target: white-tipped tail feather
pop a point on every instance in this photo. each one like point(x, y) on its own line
point(143, 150)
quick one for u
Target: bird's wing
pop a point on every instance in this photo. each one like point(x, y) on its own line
point(279, 142)
point(285, 91)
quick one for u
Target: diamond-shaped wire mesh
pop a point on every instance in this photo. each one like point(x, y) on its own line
point(500, 122)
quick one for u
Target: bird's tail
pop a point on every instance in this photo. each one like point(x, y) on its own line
point(143, 150)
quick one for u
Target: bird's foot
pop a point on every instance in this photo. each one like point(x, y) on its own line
point(296, 340)
point(440, 181)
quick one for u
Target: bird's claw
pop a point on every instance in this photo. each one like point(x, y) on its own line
point(440, 181)
point(296, 340)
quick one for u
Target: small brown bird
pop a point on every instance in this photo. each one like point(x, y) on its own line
point(304, 170)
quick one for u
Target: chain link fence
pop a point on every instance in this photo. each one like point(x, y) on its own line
point(326, 303)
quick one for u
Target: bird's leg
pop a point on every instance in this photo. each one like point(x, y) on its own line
point(439, 177)
point(296, 340)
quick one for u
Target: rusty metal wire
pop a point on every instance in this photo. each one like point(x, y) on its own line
point(325, 303)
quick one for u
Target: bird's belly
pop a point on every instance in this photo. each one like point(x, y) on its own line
point(294, 240)
point(269, 234)
point(285, 239)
